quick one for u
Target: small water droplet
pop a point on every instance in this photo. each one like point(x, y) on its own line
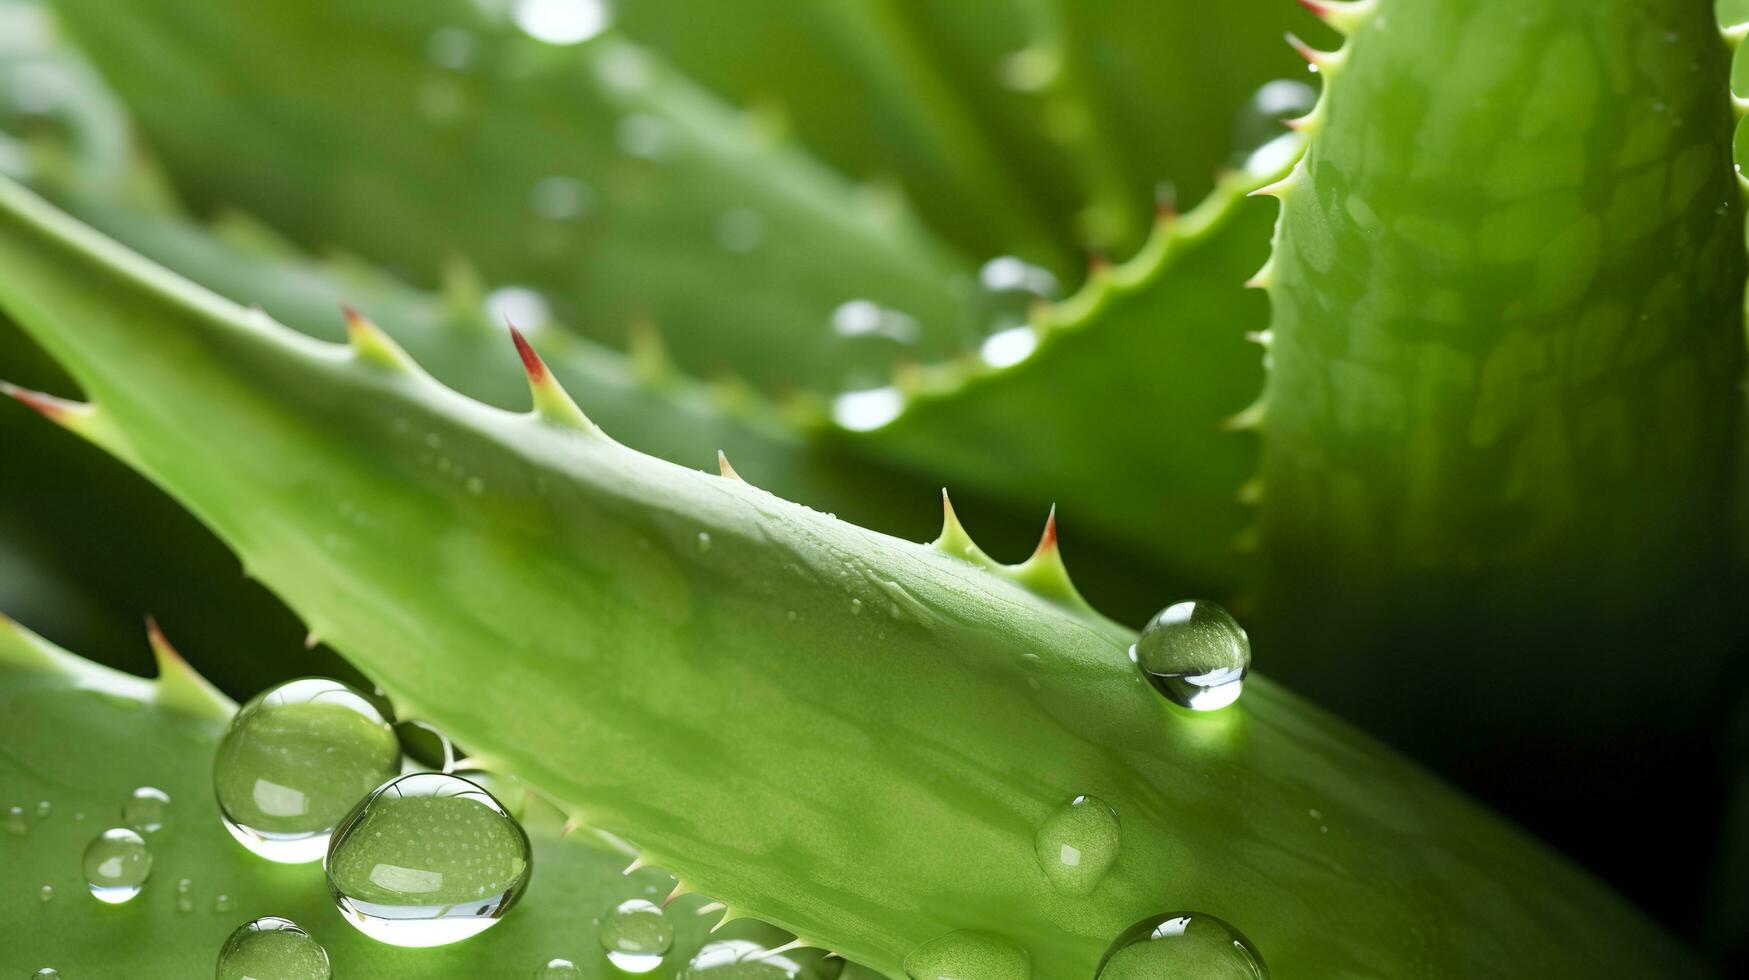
point(427, 859)
point(1077, 844)
point(1182, 944)
point(559, 198)
point(1259, 122)
point(294, 760)
point(47, 973)
point(636, 935)
point(642, 136)
point(426, 745)
point(223, 903)
point(968, 953)
point(558, 968)
point(865, 318)
point(452, 48)
point(272, 947)
point(863, 411)
point(117, 864)
point(17, 822)
point(740, 230)
point(44, 808)
point(47, 893)
point(1194, 653)
point(184, 896)
point(146, 809)
point(856, 607)
point(742, 959)
point(520, 305)
point(561, 21)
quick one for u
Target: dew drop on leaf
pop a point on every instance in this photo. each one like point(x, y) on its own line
point(222, 903)
point(47, 973)
point(17, 822)
point(185, 896)
point(117, 864)
point(272, 947)
point(558, 968)
point(1010, 288)
point(1182, 944)
point(1077, 844)
point(561, 21)
point(428, 859)
point(636, 935)
point(1194, 653)
point(146, 809)
point(742, 959)
point(47, 893)
point(968, 953)
point(44, 808)
point(295, 759)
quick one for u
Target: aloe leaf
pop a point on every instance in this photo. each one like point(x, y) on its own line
point(57, 117)
point(1507, 348)
point(647, 643)
point(1121, 402)
point(81, 737)
point(675, 209)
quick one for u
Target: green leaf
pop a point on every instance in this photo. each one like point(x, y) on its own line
point(618, 632)
point(82, 737)
point(377, 148)
point(1124, 413)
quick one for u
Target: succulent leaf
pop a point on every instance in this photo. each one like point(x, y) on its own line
point(617, 631)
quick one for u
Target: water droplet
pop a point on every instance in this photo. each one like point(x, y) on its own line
point(558, 968)
point(47, 973)
point(117, 864)
point(272, 947)
point(865, 318)
point(16, 820)
point(862, 411)
point(519, 305)
point(185, 896)
point(1008, 347)
point(1077, 844)
point(704, 541)
point(47, 893)
point(427, 859)
point(1259, 121)
point(452, 48)
point(146, 809)
point(1194, 653)
point(296, 758)
point(856, 607)
point(1731, 13)
point(44, 808)
point(1010, 289)
point(476, 486)
point(739, 230)
point(636, 935)
point(425, 745)
point(561, 21)
point(642, 136)
point(222, 903)
point(1740, 144)
point(741, 959)
point(968, 953)
point(1182, 944)
point(559, 198)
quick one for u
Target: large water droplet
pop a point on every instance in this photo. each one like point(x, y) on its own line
point(296, 758)
point(427, 859)
point(1262, 144)
point(272, 947)
point(968, 953)
point(1731, 13)
point(741, 959)
point(117, 864)
point(558, 968)
point(146, 809)
point(1182, 944)
point(1011, 288)
point(561, 21)
point(1195, 654)
point(636, 935)
point(1077, 844)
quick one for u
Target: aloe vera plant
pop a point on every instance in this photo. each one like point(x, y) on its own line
point(1495, 410)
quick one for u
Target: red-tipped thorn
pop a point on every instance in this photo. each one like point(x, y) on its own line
point(1313, 56)
point(354, 319)
point(1297, 123)
point(531, 362)
point(48, 406)
point(1097, 263)
point(1047, 541)
point(1317, 9)
point(311, 640)
point(155, 637)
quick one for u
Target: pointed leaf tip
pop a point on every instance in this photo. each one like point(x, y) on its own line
point(1313, 56)
point(725, 469)
point(371, 344)
point(48, 406)
point(1047, 541)
point(680, 888)
point(551, 402)
point(953, 539)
